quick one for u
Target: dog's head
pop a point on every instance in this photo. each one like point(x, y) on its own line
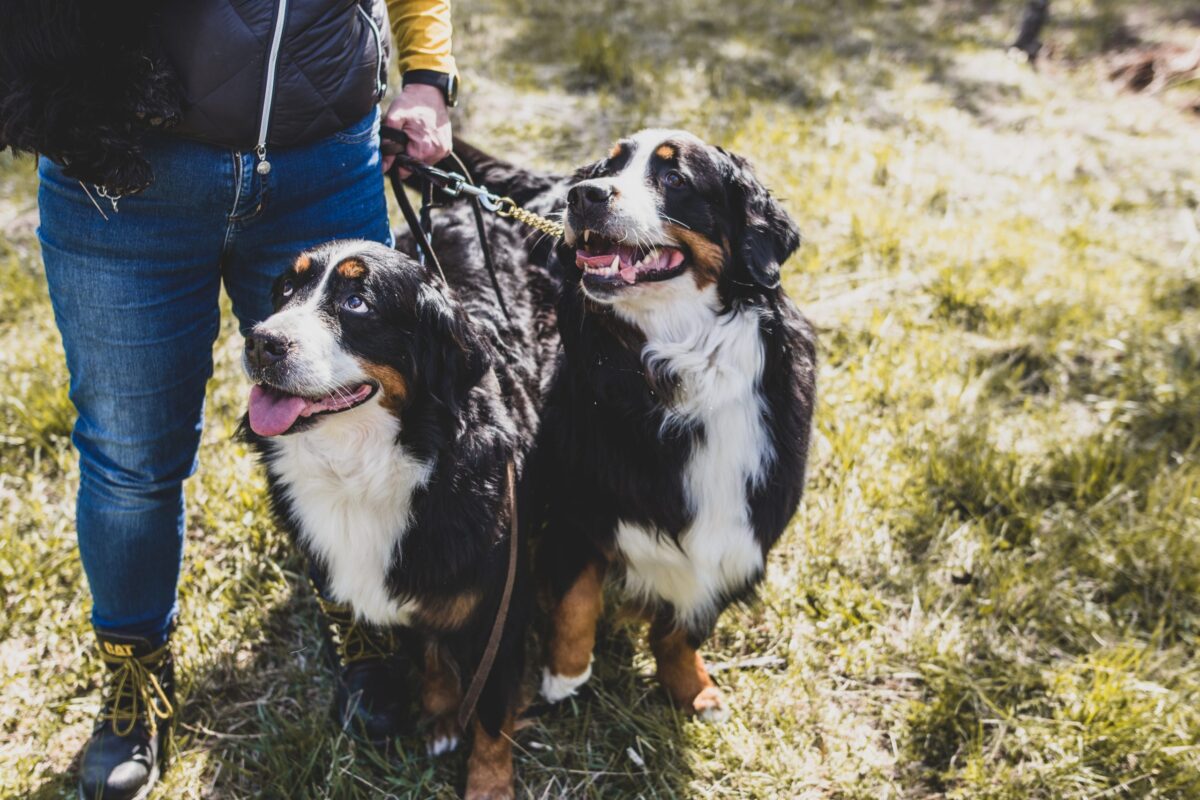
point(358, 323)
point(666, 207)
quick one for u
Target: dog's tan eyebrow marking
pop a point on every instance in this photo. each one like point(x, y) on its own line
point(352, 268)
point(302, 264)
point(666, 151)
point(622, 149)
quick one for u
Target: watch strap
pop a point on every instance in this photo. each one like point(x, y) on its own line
point(446, 82)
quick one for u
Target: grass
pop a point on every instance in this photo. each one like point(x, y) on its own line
point(992, 589)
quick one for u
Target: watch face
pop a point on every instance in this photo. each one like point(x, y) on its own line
point(452, 91)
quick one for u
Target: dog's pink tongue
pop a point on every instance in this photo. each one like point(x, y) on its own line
point(272, 414)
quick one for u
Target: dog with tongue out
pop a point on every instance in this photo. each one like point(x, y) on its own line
point(393, 435)
point(271, 412)
point(628, 264)
point(676, 433)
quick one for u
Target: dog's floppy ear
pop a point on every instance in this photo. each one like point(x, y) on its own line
point(452, 357)
point(764, 235)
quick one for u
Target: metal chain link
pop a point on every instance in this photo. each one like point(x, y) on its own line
point(509, 208)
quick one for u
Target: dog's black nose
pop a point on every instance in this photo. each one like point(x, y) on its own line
point(589, 194)
point(265, 349)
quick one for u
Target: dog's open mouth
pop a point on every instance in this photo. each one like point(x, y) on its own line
point(273, 412)
point(609, 263)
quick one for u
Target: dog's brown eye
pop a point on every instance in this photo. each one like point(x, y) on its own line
point(287, 288)
point(673, 179)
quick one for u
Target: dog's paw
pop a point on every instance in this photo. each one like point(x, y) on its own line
point(440, 745)
point(443, 737)
point(556, 688)
point(710, 706)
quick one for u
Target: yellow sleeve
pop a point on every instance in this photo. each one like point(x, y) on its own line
point(423, 32)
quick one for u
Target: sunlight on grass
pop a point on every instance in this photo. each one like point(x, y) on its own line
point(993, 585)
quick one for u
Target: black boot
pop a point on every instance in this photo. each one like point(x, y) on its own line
point(123, 758)
point(370, 700)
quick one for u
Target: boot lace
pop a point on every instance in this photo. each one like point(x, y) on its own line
point(355, 640)
point(134, 693)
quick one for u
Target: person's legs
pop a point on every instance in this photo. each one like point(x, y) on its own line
point(135, 298)
point(134, 290)
point(331, 189)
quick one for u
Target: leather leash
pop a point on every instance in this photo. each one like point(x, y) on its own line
point(455, 184)
point(467, 707)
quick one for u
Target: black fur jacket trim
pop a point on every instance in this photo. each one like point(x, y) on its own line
point(83, 83)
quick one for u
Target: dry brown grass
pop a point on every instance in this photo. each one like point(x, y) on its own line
point(992, 588)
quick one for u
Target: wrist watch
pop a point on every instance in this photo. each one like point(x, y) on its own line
point(448, 83)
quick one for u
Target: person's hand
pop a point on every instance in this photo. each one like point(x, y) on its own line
point(420, 111)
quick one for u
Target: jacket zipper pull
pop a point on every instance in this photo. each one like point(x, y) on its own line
point(264, 166)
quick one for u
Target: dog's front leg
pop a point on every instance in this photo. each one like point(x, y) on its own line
point(490, 765)
point(573, 634)
point(440, 697)
point(683, 674)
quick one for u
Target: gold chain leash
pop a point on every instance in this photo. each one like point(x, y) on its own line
point(509, 208)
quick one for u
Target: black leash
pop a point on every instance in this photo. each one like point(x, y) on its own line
point(421, 226)
point(454, 184)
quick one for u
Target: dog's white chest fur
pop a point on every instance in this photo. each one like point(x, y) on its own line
point(719, 361)
point(351, 486)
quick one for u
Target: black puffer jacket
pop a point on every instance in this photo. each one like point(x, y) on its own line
point(259, 73)
point(83, 82)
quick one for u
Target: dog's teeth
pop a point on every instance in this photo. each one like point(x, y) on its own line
point(587, 235)
point(616, 265)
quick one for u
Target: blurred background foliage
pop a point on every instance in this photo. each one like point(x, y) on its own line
point(992, 588)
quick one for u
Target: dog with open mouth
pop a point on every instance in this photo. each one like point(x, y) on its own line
point(673, 445)
point(391, 412)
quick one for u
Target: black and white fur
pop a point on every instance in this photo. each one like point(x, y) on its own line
point(674, 441)
point(84, 84)
point(418, 395)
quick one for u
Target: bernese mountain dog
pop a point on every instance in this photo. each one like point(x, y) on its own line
point(387, 408)
point(672, 450)
point(654, 389)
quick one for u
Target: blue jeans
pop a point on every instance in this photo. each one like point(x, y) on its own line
point(136, 300)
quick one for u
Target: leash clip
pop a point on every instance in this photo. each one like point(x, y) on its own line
point(491, 201)
point(454, 184)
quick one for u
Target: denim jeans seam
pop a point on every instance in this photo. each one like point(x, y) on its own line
point(351, 136)
point(263, 194)
point(237, 197)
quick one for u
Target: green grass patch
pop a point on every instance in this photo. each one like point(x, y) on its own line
point(991, 589)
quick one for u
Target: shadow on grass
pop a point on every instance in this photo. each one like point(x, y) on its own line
point(646, 52)
point(264, 721)
point(618, 737)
